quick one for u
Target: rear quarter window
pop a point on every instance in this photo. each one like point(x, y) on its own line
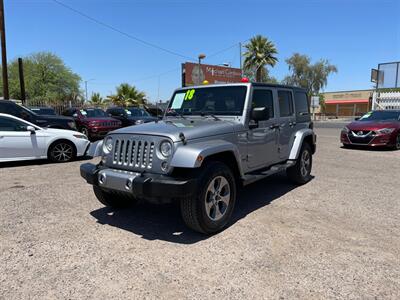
point(302, 107)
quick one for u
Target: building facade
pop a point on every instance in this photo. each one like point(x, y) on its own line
point(347, 103)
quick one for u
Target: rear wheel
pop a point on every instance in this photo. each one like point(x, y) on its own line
point(212, 208)
point(62, 151)
point(300, 173)
point(114, 199)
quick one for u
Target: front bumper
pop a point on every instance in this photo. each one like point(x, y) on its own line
point(150, 187)
point(376, 140)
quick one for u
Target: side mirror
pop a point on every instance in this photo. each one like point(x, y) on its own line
point(31, 129)
point(260, 114)
point(357, 118)
point(75, 115)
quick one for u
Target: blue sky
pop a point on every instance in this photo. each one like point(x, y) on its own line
point(355, 35)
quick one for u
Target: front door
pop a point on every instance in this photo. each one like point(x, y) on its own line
point(262, 140)
point(17, 142)
point(286, 122)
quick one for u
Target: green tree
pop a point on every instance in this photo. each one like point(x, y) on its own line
point(312, 77)
point(46, 78)
point(127, 95)
point(260, 53)
point(96, 99)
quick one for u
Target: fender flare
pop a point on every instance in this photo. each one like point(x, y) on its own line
point(186, 156)
point(298, 142)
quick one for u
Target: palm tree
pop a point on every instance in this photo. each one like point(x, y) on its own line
point(96, 99)
point(127, 95)
point(260, 53)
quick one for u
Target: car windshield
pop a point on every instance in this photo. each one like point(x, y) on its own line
point(93, 112)
point(380, 116)
point(137, 112)
point(224, 100)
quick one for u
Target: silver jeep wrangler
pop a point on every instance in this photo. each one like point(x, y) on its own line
point(211, 140)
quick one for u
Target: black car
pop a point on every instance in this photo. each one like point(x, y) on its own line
point(60, 122)
point(43, 110)
point(131, 115)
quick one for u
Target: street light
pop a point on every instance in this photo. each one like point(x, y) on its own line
point(201, 56)
point(86, 81)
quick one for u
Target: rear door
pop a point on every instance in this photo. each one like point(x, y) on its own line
point(286, 122)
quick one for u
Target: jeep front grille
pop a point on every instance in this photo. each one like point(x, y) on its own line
point(134, 153)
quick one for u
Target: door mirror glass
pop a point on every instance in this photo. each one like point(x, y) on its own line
point(260, 114)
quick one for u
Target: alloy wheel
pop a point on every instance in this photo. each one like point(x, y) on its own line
point(398, 141)
point(217, 198)
point(62, 152)
point(305, 163)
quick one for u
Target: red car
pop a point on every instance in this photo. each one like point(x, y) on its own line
point(376, 128)
point(93, 122)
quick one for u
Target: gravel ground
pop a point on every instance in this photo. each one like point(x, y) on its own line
point(335, 237)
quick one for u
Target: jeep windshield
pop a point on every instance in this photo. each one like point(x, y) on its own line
point(224, 100)
point(93, 113)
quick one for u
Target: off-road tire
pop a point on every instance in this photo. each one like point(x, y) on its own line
point(85, 131)
point(113, 198)
point(193, 209)
point(295, 173)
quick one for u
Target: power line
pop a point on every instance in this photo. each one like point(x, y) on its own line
point(101, 23)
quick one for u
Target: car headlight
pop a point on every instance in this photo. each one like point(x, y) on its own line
point(137, 122)
point(385, 130)
point(108, 145)
point(346, 129)
point(71, 124)
point(166, 148)
point(80, 136)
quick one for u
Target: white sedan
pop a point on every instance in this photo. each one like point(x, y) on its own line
point(21, 140)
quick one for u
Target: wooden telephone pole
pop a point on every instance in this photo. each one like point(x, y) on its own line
point(3, 51)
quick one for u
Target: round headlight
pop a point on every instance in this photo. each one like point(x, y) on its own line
point(166, 148)
point(108, 145)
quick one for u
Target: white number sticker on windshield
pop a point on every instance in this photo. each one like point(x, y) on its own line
point(178, 100)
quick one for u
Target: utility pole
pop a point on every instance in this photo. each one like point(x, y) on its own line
point(240, 57)
point(21, 80)
point(3, 51)
point(86, 98)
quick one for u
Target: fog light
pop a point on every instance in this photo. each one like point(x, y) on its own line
point(164, 166)
point(102, 178)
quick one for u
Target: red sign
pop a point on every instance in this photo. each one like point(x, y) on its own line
point(193, 75)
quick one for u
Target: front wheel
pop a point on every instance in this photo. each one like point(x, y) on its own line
point(300, 173)
point(62, 151)
point(211, 209)
point(397, 143)
point(85, 131)
point(113, 199)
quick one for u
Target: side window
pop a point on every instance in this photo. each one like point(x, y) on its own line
point(302, 106)
point(10, 109)
point(264, 98)
point(285, 103)
point(7, 124)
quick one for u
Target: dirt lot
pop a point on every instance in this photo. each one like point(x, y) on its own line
point(336, 237)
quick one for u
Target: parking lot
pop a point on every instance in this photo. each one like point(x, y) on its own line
point(336, 237)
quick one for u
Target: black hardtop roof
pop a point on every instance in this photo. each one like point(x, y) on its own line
point(276, 85)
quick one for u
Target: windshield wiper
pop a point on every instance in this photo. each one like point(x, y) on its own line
point(203, 114)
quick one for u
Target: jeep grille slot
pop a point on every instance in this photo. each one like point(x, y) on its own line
point(134, 153)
